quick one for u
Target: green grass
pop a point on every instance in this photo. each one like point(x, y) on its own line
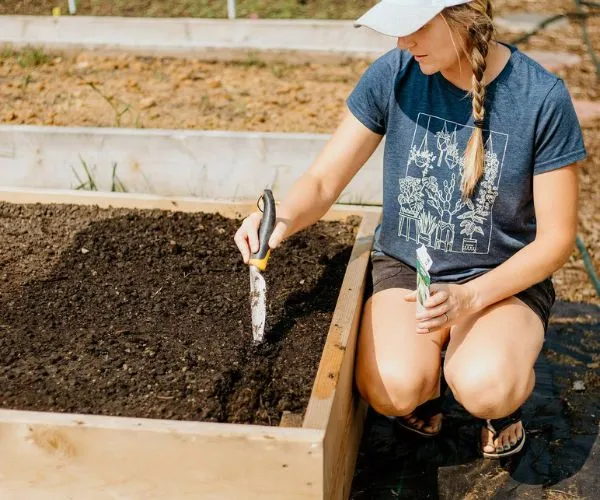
point(252, 59)
point(27, 57)
point(87, 181)
point(31, 57)
point(116, 185)
point(6, 52)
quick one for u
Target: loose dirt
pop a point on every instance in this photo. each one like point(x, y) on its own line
point(146, 314)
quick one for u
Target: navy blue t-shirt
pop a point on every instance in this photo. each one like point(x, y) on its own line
point(530, 128)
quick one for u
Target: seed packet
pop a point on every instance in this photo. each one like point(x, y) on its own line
point(424, 264)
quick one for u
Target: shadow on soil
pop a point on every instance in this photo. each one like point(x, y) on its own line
point(561, 458)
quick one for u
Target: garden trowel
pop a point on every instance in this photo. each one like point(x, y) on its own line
point(258, 264)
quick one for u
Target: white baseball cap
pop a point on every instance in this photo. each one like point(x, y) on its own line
point(403, 17)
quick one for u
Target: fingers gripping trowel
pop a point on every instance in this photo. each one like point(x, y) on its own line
point(258, 264)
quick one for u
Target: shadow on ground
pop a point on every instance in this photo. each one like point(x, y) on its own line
point(561, 458)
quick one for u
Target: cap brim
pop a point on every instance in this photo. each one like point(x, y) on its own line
point(397, 20)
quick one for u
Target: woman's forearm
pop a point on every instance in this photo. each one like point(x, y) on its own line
point(305, 203)
point(319, 187)
point(529, 266)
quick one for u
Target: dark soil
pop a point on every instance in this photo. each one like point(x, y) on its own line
point(146, 314)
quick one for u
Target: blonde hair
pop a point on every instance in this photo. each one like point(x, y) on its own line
point(475, 20)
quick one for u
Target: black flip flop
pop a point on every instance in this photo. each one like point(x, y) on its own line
point(424, 412)
point(496, 427)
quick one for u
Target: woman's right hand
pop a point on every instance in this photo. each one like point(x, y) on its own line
point(246, 237)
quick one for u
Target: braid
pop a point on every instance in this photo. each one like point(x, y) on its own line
point(474, 18)
point(475, 155)
point(479, 53)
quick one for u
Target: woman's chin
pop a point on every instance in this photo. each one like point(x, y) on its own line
point(428, 69)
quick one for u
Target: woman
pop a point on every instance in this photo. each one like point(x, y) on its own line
point(479, 159)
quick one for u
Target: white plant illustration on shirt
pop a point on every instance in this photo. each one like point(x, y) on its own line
point(448, 147)
point(412, 202)
point(422, 157)
point(441, 201)
point(427, 225)
point(430, 199)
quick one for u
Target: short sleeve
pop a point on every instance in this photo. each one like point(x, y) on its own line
point(558, 138)
point(369, 100)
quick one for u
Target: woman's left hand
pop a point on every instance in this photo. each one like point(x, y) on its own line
point(446, 305)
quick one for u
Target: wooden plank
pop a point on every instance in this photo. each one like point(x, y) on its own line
point(289, 419)
point(148, 202)
point(334, 404)
point(49, 456)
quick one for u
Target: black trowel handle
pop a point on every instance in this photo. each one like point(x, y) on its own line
point(267, 224)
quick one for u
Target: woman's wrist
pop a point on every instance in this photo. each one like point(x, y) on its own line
point(475, 299)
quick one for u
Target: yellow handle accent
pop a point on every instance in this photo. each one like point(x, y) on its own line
point(260, 264)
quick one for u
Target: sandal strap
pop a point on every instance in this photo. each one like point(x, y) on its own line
point(497, 425)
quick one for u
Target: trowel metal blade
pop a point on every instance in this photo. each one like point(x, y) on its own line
point(258, 304)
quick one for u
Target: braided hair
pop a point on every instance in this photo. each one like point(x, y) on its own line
point(477, 18)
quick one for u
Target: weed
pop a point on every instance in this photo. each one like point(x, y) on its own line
point(252, 60)
point(6, 52)
point(279, 70)
point(89, 184)
point(31, 57)
point(112, 102)
point(205, 105)
point(117, 186)
point(25, 81)
point(138, 120)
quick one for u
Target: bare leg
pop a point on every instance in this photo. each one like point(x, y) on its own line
point(489, 364)
point(396, 368)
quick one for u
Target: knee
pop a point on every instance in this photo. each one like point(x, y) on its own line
point(487, 389)
point(393, 391)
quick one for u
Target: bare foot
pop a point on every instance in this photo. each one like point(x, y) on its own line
point(431, 426)
point(506, 440)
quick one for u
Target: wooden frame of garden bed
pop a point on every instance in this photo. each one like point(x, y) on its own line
point(56, 456)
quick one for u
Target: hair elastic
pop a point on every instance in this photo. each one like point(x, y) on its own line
point(479, 123)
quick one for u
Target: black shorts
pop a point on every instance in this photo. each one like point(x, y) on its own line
point(386, 272)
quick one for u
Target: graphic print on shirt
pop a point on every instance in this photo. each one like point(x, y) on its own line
point(432, 211)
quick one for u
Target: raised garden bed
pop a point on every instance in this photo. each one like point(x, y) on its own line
point(328, 9)
point(139, 317)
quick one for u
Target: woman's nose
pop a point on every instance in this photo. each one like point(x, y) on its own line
point(405, 42)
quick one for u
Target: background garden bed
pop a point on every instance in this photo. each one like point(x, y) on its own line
point(327, 9)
